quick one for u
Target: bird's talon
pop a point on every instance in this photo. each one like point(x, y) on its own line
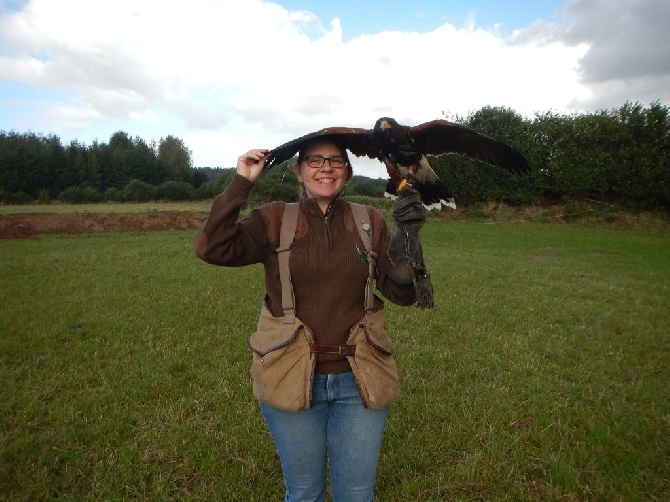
point(403, 184)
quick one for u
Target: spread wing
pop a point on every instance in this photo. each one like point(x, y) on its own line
point(356, 140)
point(439, 137)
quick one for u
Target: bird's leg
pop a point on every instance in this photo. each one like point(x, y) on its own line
point(394, 173)
point(409, 179)
point(391, 168)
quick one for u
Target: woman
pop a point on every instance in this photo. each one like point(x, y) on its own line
point(329, 276)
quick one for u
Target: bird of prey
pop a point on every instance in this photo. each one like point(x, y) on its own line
point(403, 149)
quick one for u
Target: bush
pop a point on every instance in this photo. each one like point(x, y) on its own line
point(15, 198)
point(79, 195)
point(213, 187)
point(139, 191)
point(271, 187)
point(175, 190)
point(43, 196)
point(366, 186)
point(114, 194)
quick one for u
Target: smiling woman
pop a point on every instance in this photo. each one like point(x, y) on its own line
point(320, 171)
point(321, 332)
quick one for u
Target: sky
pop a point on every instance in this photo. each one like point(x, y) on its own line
point(227, 76)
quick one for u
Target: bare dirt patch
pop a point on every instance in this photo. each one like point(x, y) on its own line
point(22, 225)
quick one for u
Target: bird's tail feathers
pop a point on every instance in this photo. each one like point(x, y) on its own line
point(431, 199)
point(439, 204)
point(449, 203)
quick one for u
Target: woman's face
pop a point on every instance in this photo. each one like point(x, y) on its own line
point(325, 182)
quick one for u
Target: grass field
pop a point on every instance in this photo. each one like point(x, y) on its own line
point(109, 207)
point(542, 374)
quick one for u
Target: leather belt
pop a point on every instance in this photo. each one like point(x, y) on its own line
point(343, 350)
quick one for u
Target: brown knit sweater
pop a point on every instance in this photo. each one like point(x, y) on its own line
point(326, 270)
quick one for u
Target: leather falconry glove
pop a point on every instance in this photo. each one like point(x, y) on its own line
point(409, 216)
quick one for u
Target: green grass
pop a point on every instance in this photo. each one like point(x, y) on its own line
point(107, 207)
point(541, 375)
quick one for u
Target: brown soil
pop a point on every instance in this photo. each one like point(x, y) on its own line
point(21, 225)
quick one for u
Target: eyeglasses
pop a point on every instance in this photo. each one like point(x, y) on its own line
point(336, 161)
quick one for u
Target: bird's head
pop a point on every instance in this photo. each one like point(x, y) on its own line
point(385, 124)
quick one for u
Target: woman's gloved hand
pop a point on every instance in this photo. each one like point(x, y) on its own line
point(409, 216)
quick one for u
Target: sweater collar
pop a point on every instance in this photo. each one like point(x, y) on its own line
point(311, 207)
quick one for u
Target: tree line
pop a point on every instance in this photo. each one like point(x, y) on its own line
point(34, 166)
point(619, 156)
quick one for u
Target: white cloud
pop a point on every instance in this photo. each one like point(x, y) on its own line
point(230, 75)
point(627, 49)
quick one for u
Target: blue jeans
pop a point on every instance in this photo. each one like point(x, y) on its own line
point(338, 427)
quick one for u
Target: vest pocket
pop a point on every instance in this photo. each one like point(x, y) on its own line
point(282, 365)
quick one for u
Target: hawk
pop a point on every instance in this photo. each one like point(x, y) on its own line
point(403, 149)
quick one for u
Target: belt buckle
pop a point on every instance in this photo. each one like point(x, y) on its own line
point(340, 350)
